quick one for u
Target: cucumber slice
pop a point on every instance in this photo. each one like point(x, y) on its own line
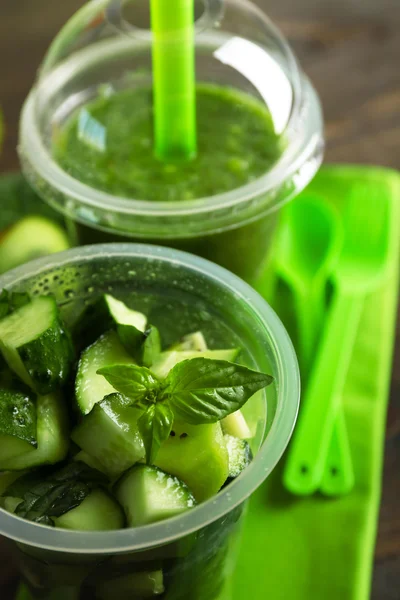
point(240, 455)
point(52, 437)
point(236, 425)
point(18, 415)
point(91, 388)
point(134, 586)
point(167, 360)
point(30, 238)
point(122, 315)
point(36, 346)
point(194, 342)
point(111, 436)
point(98, 512)
point(147, 495)
point(106, 313)
point(196, 454)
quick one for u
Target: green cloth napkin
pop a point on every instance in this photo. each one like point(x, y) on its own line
point(319, 548)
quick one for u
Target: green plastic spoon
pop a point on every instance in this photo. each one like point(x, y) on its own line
point(363, 263)
point(338, 478)
point(309, 245)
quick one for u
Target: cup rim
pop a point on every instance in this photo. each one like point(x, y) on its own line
point(237, 492)
point(43, 163)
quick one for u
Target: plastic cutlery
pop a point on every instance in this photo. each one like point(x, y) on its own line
point(338, 478)
point(309, 245)
point(362, 264)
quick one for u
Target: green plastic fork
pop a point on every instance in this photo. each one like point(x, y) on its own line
point(363, 263)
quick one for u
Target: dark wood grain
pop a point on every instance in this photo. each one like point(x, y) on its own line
point(351, 50)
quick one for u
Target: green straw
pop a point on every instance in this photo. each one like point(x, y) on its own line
point(172, 24)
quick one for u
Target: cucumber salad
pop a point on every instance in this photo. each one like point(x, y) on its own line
point(102, 428)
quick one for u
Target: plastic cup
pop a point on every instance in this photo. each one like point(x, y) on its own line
point(102, 49)
point(195, 550)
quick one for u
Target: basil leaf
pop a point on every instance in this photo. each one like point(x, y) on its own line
point(201, 390)
point(23, 484)
point(131, 338)
point(137, 383)
point(52, 501)
point(51, 494)
point(155, 425)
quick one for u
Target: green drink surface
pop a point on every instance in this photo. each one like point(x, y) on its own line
point(108, 145)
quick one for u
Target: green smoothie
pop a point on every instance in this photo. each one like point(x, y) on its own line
point(109, 146)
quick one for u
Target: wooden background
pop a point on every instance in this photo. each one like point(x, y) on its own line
point(351, 51)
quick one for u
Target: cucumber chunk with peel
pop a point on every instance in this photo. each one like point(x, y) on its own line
point(91, 388)
point(236, 425)
point(196, 454)
point(36, 345)
point(98, 512)
point(111, 436)
point(122, 315)
point(147, 495)
point(240, 455)
point(52, 437)
point(30, 238)
point(106, 313)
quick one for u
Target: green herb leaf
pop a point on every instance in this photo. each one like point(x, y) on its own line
point(155, 425)
point(51, 494)
point(136, 383)
point(201, 390)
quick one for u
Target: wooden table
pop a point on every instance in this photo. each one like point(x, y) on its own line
point(351, 51)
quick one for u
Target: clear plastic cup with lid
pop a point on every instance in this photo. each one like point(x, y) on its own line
point(259, 130)
point(191, 555)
